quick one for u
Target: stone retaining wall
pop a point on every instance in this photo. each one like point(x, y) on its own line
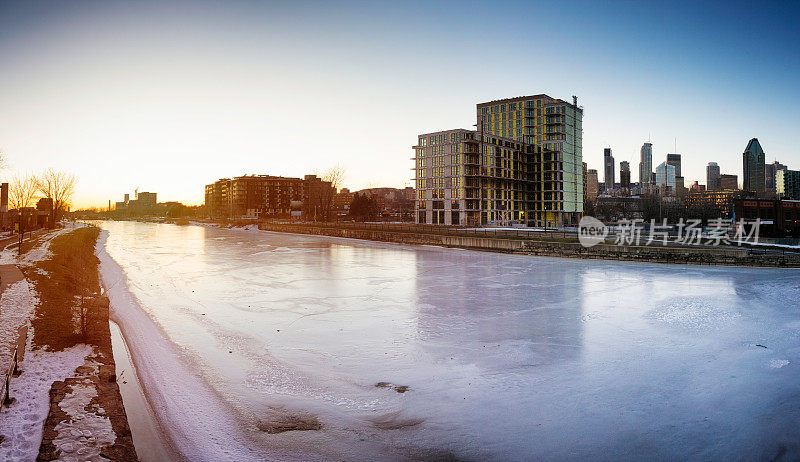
point(654, 253)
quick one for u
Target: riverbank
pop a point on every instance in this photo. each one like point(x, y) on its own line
point(552, 244)
point(67, 403)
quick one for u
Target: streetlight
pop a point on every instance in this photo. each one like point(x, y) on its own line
point(21, 231)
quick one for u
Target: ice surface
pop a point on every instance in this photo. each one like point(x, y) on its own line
point(505, 357)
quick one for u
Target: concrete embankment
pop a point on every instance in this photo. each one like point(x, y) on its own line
point(553, 248)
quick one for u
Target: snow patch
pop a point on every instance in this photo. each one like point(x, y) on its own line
point(16, 305)
point(87, 431)
point(23, 421)
point(778, 363)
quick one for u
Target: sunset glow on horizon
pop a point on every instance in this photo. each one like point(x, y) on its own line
point(169, 96)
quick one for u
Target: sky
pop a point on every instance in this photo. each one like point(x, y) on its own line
point(167, 96)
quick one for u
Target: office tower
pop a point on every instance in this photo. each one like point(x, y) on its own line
point(728, 182)
point(608, 163)
point(551, 133)
point(675, 161)
point(712, 176)
point(753, 167)
point(625, 174)
point(665, 178)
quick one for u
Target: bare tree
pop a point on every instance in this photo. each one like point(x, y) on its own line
point(57, 186)
point(22, 191)
point(335, 176)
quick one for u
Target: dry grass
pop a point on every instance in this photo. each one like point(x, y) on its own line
point(68, 287)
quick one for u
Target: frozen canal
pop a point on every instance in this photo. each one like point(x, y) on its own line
point(240, 334)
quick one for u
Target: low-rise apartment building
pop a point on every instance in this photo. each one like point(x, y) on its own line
point(267, 196)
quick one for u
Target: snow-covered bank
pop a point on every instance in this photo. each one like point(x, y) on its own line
point(198, 424)
point(22, 422)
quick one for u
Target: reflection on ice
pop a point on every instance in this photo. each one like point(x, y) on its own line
point(500, 357)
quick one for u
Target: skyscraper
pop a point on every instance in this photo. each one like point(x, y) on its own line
point(608, 162)
point(625, 174)
point(646, 165)
point(769, 175)
point(665, 178)
point(675, 161)
point(753, 167)
point(551, 133)
point(712, 176)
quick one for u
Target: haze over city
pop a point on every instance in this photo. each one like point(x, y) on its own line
point(170, 96)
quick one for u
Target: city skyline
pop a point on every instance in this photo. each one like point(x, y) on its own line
point(212, 91)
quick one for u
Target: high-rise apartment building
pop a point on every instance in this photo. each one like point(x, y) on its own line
point(592, 184)
point(646, 166)
point(712, 176)
point(625, 174)
point(753, 168)
point(665, 178)
point(788, 184)
point(467, 178)
point(608, 167)
point(550, 134)
point(769, 176)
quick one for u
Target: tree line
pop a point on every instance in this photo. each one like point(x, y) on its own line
point(24, 190)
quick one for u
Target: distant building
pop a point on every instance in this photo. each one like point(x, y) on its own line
point(753, 168)
point(712, 176)
point(729, 182)
point(787, 184)
point(342, 200)
point(592, 184)
point(696, 186)
point(44, 212)
point(646, 166)
point(680, 187)
point(267, 196)
point(608, 163)
point(675, 161)
point(718, 202)
point(665, 178)
point(146, 199)
point(5, 219)
point(625, 174)
point(770, 170)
